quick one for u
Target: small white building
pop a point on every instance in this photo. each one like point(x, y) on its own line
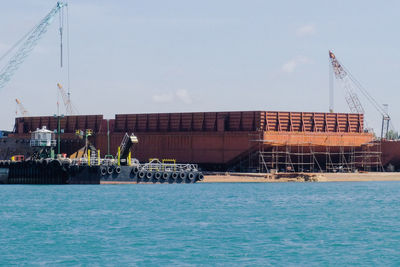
point(43, 138)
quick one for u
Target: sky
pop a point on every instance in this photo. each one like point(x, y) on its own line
point(187, 56)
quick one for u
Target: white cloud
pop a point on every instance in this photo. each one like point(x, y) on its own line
point(306, 30)
point(168, 97)
point(292, 64)
point(163, 97)
point(184, 96)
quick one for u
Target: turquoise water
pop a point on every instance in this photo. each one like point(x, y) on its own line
point(201, 224)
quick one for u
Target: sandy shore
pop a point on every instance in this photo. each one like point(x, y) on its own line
point(302, 177)
point(290, 177)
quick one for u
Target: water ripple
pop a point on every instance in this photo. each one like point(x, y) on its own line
point(202, 224)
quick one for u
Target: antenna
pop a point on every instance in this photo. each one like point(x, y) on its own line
point(331, 93)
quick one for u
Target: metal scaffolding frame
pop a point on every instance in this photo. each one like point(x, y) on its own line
point(306, 157)
point(264, 157)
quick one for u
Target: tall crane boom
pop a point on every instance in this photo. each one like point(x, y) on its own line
point(30, 40)
point(351, 97)
point(349, 82)
point(69, 109)
point(21, 108)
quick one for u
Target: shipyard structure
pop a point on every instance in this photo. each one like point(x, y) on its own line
point(247, 141)
point(251, 141)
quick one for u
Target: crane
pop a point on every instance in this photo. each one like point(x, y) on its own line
point(351, 97)
point(349, 82)
point(69, 108)
point(21, 108)
point(29, 41)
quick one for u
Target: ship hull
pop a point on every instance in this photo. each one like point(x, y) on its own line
point(55, 172)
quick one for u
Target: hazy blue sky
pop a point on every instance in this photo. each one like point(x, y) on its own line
point(180, 55)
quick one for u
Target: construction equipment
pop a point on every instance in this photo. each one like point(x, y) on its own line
point(26, 44)
point(349, 83)
point(69, 108)
point(126, 144)
point(351, 97)
point(22, 110)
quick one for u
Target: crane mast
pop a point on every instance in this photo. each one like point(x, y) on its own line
point(29, 42)
point(69, 109)
point(351, 97)
point(21, 108)
point(349, 82)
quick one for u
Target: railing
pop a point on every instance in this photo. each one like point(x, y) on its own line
point(157, 166)
point(43, 143)
point(168, 167)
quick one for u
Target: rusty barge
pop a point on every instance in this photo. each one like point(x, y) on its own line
point(256, 141)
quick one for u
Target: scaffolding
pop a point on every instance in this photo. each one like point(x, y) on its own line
point(317, 159)
point(266, 156)
point(308, 157)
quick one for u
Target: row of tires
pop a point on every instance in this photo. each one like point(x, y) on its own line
point(109, 170)
point(142, 175)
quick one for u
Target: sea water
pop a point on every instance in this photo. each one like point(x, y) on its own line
point(202, 224)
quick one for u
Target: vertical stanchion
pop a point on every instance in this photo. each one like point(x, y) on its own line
point(119, 156)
